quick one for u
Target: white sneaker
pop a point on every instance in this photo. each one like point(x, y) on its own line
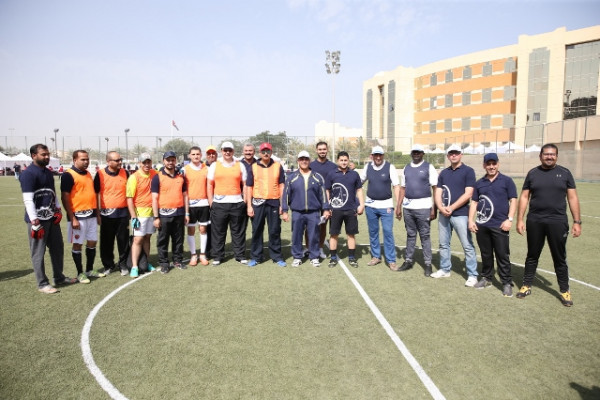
point(216, 262)
point(243, 261)
point(440, 273)
point(471, 281)
point(322, 253)
point(296, 263)
point(315, 262)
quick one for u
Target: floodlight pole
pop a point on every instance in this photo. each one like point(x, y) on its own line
point(332, 66)
point(55, 142)
point(126, 145)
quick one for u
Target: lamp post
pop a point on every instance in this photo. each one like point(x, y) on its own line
point(126, 145)
point(55, 142)
point(106, 138)
point(332, 66)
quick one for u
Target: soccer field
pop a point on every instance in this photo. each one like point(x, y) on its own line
point(233, 332)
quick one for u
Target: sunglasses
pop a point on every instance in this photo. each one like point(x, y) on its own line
point(265, 151)
point(227, 150)
point(117, 160)
point(304, 159)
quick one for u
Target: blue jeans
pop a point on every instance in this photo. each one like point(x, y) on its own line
point(386, 215)
point(460, 225)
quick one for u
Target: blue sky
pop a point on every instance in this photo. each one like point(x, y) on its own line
point(232, 68)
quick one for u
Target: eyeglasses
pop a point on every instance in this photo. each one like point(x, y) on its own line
point(117, 160)
point(227, 150)
point(304, 159)
point(265, 151)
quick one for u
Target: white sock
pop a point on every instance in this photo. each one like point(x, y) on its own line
point(203, 238)
point(191, 239)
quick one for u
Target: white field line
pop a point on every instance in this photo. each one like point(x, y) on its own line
point(431, 387)
point(86, 350)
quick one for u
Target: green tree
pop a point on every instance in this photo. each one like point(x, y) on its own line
point(179, 146)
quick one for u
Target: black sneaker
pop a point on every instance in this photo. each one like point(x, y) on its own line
point(483, 283)
point(353, 262)
point(179, 265)
point(164, 269)
point(406, 266)
point(523, 292)
point(507, 290)
point(427, 270)
point(333, 261)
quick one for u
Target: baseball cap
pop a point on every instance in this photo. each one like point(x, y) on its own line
point(490, 157)
point(211, 148)
point(377, 150)
point(265, 146)
point(454, 147)
point(226, 145)
point(144, 156)
point(169, 153)
point(417, 147)
point(303, 153)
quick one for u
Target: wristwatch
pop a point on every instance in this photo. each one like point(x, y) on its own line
point(577, 222)
point(510, 219)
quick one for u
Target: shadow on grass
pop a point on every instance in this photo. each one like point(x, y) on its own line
point(586, 393)
point(10, 275)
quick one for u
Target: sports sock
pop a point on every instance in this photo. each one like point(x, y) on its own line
point(351, 253)
point(333, 253)
point(90, 256)
point(191, 239)
point(77, 260)
point(203, 239)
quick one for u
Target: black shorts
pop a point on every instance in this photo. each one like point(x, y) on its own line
point(348, 217)
point(199, 215)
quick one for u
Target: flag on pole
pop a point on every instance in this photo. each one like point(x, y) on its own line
point(175, 125)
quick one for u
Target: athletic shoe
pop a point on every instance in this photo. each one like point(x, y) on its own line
point(406, 265)
point(216, 262)
point(305, 252)
point(107, 271)
point(95, 274)
point(296, 263)
point(252, 263)
point(471, 281)
point(151, 268)
point(124, 272)
point(66, 281)
point(353, 262)
point(134, 273)
point(203, 260)
point(333, 261)
point(427, 270)
point(393, 266)
point(193, 261)
point(483, 283)
point(82, 278)
point(565, 299)
point(282, 263)
point(374, 261)
point(507, 290)
point(440, 273)
point(242, 261)
point(523, 292)
point(322, 254)
point(179, 265)
point(315, 262)
point(164, 269)
point(48, 289)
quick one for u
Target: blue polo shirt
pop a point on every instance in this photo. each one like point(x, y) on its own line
point(453, 183)
point(323, 168)
point(493, 200)
point(342, 189)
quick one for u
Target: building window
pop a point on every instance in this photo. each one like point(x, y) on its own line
point(432, 126)
point(538, 81)
point(510, 65)
point(467, 72)
point(581, 79)
point(486, 95)
point(487, 69)
point(447, 125)
point(449, 76)
point(448, 100)
point(486, 121)
point(508, 121)
point(433, 80)
point(466, 98)
point(509, 93)
point(536, 117)
point(466, 124)
point(433, 103)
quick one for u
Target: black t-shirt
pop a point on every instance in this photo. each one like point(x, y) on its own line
point(548, 192)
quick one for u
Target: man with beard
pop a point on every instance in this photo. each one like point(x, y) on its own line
point(195, 178)
point(322, 166)
point(43, 215)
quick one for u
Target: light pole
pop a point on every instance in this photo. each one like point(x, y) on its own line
point(126, 145)
point(106, 138)
point(55, 142)
point(332, 66)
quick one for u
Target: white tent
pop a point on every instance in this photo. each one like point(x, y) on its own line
point(510, 147)
point(5, 161)
point(474, 150)
point(438, 151)
point(533, 149)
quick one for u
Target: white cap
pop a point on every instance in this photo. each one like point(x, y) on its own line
point(227, 145)
point(377, 150)
point(303, 153)
point(418, 147)
point(454, 147)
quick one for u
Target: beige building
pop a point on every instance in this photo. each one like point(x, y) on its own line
point(504, 95)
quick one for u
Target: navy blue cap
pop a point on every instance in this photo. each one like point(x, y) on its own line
point(490, 157)
point(169, 153)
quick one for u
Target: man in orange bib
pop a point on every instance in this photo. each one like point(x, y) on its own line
point(195, 177)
